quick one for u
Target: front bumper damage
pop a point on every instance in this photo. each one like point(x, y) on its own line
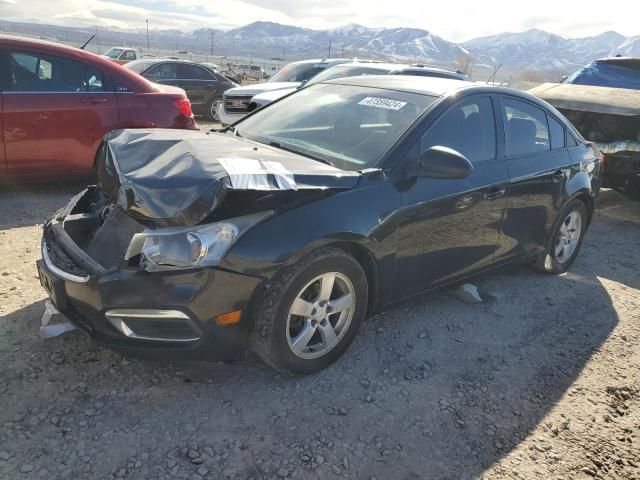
point(142, 312)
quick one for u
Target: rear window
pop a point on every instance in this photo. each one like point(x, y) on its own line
point(32, 72)
point(138, 66)
point(604, 74)
point(298, 72)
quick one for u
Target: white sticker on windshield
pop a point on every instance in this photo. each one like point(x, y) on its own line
point(387, 103)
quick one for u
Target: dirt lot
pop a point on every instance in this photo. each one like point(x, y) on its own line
point(541, 380)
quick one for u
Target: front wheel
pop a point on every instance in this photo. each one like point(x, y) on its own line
point(564, 244)
point(212, 110)
point(311, 314)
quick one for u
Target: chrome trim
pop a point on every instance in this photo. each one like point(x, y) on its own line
point(60, 273)
point(114, 316)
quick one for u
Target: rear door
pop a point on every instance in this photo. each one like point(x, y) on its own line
point(451, 227)
point(539, 166)
point(56, 111)
point(200, 84)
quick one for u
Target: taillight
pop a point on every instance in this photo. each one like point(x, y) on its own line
point(184, 106)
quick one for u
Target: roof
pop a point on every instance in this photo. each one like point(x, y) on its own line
point(380, 66)
point(630, 62)
point(31, 44)
point(322, 60)
point(589, 98)
point(162, 60)
point(438, 87)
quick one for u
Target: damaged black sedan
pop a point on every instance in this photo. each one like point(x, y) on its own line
point(282, 231)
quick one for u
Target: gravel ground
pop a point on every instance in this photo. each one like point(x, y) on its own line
point(541, 380)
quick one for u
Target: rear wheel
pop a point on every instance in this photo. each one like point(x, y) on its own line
point(565, 242)
point(311, 314)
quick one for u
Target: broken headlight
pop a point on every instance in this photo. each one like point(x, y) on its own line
point(179, 248)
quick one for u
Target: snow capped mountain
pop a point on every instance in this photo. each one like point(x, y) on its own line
point(530, 50)
point(540, 50)
point(630, 47)
point(351, 40)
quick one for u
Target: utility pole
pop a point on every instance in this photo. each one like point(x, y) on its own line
point(211, 52)
point(147, 20)
point(342, 51)
point(329, 49)
point(98, 41)
point(283, 53)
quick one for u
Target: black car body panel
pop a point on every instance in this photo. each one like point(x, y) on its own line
point(410, 233)
point(165, 178)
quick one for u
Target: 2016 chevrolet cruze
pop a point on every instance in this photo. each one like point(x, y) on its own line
point(281, 232)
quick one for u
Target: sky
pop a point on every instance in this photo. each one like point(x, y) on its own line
point(455, 21)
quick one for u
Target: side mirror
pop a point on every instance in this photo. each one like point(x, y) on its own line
point(303, 83)
point(443, 162)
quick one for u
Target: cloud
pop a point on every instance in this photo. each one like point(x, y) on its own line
point(467, 20)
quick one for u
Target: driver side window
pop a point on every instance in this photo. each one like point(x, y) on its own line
point(468, 127)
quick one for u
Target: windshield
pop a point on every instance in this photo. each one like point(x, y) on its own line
point(351, 127)
point(113, 53)
point(341, 71)
point(298, 72)
point(602, 74)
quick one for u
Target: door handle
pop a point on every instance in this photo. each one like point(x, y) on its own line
point(495, 193)
point(94, 101)
point(557, 177)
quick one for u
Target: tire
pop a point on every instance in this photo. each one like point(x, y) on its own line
point(302, 344)
point(212, 109)
point(555, 259)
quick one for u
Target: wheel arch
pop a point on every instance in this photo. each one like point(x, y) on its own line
point(368, 262)
point(357, 247)
point(588, 199)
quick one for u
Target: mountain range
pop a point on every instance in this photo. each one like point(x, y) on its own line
point(532, 50)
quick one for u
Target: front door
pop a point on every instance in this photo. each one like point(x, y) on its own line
point(539, 165)
point(56, 111)
point(450, 228)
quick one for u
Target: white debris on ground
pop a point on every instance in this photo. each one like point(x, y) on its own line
point(55, 329)
point(468, 293)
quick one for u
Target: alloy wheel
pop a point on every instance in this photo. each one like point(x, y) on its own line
point(320, 315)
point(568, 236)
point(214, 110)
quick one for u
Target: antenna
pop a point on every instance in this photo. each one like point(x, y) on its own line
point(493, 75)
point(87, 42)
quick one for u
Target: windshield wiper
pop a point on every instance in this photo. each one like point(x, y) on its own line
point(304, 153)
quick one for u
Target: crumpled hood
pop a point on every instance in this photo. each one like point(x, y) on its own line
point(260, 88)
point(266, 98)
point(179, 177)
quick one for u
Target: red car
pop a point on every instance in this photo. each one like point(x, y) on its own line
point(57, 103)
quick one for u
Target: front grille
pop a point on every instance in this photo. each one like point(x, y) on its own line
point(110, 242)
point(237, 103)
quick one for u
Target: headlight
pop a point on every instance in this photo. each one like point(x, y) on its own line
point(179, 248)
